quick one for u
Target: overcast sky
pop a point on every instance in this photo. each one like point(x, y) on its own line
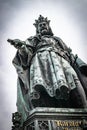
point(68, 21)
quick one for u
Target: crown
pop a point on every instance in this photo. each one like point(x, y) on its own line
point(41, 19)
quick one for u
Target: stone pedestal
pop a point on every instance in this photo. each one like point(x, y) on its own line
point(56, 119)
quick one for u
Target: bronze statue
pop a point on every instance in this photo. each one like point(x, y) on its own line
point(49, 75)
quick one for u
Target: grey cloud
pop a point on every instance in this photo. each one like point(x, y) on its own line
point(8, 9)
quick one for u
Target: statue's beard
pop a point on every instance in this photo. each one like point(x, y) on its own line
point(44, 32)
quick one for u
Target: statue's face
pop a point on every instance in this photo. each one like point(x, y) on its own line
point(43, 28)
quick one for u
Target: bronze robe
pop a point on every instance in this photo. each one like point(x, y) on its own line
point(45, 66)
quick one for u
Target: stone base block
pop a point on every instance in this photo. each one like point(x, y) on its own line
point(56, 119)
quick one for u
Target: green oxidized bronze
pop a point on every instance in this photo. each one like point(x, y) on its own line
point(49, 75)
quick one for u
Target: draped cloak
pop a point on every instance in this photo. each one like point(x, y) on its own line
point(46, 66)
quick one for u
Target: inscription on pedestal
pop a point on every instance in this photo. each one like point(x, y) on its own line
point(70, 124)
point(56, 119)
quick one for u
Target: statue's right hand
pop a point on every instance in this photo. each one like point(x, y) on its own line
point(11, 41)
point(16, 43)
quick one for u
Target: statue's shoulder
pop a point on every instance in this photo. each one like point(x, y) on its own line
point(30, 38)
point(33, 40)
point(57, 38)
point(60, 42)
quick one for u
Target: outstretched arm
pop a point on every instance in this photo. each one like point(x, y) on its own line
point(16, 43)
